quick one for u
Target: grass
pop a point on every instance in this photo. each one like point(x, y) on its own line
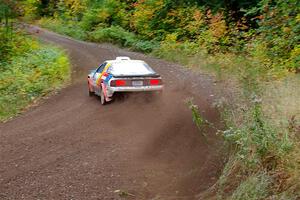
point(281, 100)
point(29, 75)
point(255, 187)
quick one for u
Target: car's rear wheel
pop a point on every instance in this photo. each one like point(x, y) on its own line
point(102, 97)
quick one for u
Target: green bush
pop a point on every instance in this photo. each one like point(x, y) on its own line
point(37, 70)
point(113, 34)
point(91, 19)
point(170, 47)
point(69, 28)
point(118, 35)
point(12, 43)
point(145, 46)
point(5, 45)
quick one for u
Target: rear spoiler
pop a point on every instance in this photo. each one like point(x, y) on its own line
point(137, 76)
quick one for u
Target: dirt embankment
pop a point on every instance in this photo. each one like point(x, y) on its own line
point(71, 147)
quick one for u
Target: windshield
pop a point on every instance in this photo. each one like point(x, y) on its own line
point(130, 68)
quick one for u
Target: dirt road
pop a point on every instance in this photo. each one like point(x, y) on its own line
point(72, 147)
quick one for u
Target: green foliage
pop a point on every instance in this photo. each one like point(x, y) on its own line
point(113, 34)
point(30, 72)
point(9, 9)
point(108, 12)
point(6, 44)
point(68, 28)
point(170, 47)
point(278, 35)
point(145, 46)
point(265, 31)
point(70, 9)
point(66, 9)
point(118, 35)
point(197, 118)
point(12, 43)
point(30, 9)
point(91, 19)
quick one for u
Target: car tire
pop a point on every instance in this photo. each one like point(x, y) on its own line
point(90, 92)
point(102, 97)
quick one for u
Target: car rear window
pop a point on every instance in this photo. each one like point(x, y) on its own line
point(130, 68)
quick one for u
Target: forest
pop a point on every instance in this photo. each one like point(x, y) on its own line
point(267, 31)
point(255, 43)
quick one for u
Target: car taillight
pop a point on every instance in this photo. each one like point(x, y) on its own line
point(155, 81)
point(118, 83)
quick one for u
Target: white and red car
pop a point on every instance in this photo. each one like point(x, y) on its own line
point(122, 75)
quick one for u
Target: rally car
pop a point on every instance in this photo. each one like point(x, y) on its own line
point(122, 75)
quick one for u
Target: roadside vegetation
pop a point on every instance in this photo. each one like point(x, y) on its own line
point(29, 69)
point(254, 46)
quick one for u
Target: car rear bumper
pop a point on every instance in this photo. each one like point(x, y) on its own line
point(112, 90)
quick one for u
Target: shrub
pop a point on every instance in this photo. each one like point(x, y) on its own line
point(113, 34)
point(5, 45)
point(143, 15)
point(69, 28)
point(33, 72)
point(170, 47)
point(91, 19)
point(145, 46)
point(118, 35)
